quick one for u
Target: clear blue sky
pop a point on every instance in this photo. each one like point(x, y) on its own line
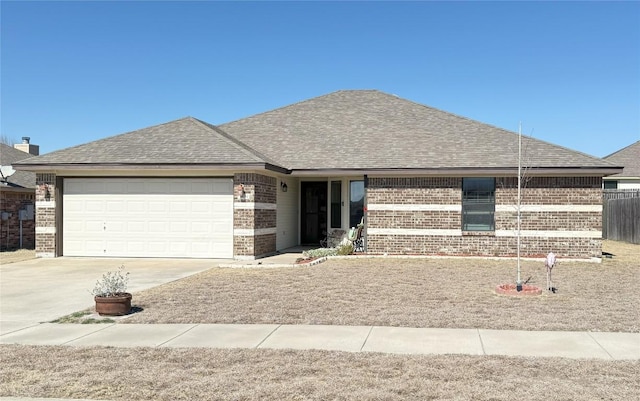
point(74, 72)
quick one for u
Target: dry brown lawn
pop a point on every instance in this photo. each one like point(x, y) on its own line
point(206, 374)
point(434, 292)
point(447, 293)
point(7, 257)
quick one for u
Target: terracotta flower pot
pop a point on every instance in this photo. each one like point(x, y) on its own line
point(116, 305)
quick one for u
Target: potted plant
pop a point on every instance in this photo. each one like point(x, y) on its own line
point(110, 293)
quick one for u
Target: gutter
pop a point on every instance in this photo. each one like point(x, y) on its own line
point(149, 166)
point(462, 172)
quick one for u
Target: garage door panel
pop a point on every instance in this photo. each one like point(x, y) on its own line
point(178, 207)
point(157, 227)
point(199, 227)
point(202, 189)
point(148, 217)
point(158, 207)
point(137, 247)
point(136, 227)
point(156, 247)
point(179, 228)
point(74, 205)
point(222, 229)
point(115, 247)
point(178, 247)
point(180, 188)
point(201, 207)
point(157, 187)
point(93, 205)
point(136, 206)
point(200, 246)
point(133, 187)
point(84, 187)
point(116, 228)
point(90, 226)
point(116, 187)
point(116, 206)
point(75, 225)
point(222, 187)
point(73, 187)
point(75, 246)
point(95, 247)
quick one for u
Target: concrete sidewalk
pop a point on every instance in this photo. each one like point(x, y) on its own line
point(395, 340)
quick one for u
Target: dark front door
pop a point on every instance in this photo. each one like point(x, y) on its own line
point(314, 212)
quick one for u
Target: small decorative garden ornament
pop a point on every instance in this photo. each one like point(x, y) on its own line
point(549, 263)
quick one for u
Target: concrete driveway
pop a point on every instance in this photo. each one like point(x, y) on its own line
point(41, 290)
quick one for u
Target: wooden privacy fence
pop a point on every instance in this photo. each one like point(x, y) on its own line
point(621, 216)
point(609, 194)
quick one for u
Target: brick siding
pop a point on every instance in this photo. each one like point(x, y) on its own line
point(257, 190)
point(479, 245)
point(12, 202)
point(563, 192)
point(45, 214)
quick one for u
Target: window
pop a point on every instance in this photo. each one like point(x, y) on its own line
point(336, 204)
point(478, 204)
point(356, 202)
point(610, 184)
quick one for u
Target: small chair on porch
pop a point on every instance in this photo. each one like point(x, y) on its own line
point(356, 238)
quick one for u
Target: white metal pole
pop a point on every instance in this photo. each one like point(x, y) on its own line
point(519, 282)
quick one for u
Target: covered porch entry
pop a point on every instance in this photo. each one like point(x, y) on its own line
point(329, 205)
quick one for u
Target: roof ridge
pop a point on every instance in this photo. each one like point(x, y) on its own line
point(116, 135)
point(236, 142)
point(302, 102)
point(623, 149)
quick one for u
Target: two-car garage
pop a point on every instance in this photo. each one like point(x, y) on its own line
point(148, 217)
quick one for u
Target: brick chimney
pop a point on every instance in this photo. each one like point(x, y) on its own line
point(25, 146)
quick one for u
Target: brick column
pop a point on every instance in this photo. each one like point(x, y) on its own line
point(254, 215)
point(46, 235)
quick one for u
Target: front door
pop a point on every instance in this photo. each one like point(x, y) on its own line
point(314, 212)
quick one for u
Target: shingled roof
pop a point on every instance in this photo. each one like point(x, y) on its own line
point(184, 141)
point(628, 157)
point(352, 130)
point(369, 129)
point(20, 179)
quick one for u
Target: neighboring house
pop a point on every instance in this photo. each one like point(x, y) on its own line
point(17, 197)
point(629, 178)
point(425, 182)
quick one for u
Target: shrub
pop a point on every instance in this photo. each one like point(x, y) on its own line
point(112, 283)
point(320, 252)
point(346, 249)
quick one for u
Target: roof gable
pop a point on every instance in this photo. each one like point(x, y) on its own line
point(184, 141)
point(629, 157)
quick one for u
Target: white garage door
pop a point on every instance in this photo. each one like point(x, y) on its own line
point(148, 217)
